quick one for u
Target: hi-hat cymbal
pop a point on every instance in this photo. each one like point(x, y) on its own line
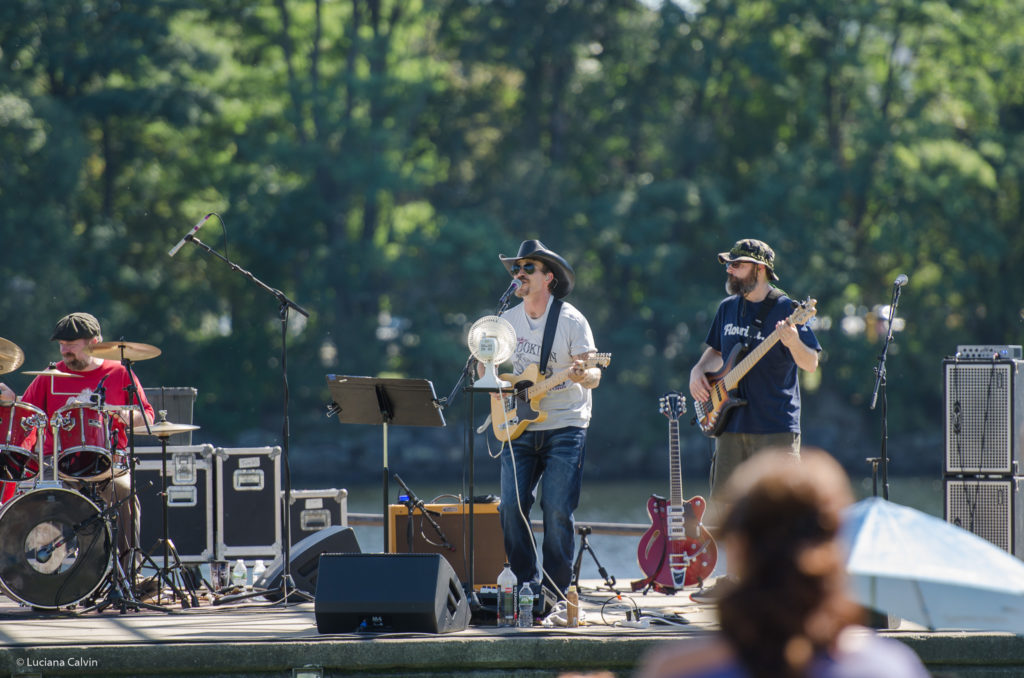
point(11, 357)
point(51, 371)
point(119, 350)
point(164, 428)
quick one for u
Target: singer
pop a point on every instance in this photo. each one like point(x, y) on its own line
point(556, 336)
point(75, 333)
point(754, 309)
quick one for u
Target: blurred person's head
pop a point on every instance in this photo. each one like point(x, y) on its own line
point(780, 533)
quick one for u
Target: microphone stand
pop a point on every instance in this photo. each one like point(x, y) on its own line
point(414, 503)
point(288, 587)
point(467, 370)
point(880, 390)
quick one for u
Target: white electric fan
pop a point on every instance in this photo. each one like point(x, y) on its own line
point(491, 341)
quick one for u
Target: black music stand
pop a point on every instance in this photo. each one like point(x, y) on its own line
point(380, 401)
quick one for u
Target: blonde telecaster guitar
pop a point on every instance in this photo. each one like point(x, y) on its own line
point(519, 406)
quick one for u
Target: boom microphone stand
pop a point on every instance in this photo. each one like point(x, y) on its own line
point(901, 280)
point(285, 304)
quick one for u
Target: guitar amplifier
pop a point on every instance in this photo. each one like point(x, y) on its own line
point(984, 417)
point(488, 537)
point(992, 508)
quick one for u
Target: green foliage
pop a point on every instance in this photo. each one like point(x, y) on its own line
point(370, 159)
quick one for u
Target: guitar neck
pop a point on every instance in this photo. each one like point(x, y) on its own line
point(742, 367)
point(542, 387)
point(675, 464)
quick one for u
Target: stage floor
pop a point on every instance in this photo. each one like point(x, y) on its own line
point(261, 639)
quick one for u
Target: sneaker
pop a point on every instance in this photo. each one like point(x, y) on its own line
point(712, 594)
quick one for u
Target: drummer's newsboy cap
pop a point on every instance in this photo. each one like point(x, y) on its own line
point(76, 326)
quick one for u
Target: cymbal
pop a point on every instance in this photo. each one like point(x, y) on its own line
point(162, 429)
point(117, 350)
point(51, 371)
point(11, 357)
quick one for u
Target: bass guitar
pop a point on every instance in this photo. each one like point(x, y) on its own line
point(519, 407)
point(712, 414)
point(677, 550)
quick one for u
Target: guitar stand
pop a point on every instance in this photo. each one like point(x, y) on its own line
point(609, 581)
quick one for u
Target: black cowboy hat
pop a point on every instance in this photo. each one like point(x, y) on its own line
point(535, 249)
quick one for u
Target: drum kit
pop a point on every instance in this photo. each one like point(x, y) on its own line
point(57, 535)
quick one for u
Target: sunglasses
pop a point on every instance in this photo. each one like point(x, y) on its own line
point(528, 267)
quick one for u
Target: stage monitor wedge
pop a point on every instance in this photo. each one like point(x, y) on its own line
point(305, 561)
point(389, 592)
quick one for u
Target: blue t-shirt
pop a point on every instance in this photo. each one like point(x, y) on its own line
point(771, 387)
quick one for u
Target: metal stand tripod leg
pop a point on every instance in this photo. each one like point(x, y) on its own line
point(167, 572)
point(609, 581)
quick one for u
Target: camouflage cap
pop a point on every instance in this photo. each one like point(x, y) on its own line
point(751, 250)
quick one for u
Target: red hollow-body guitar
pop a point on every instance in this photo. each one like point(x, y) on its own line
point(677, 550)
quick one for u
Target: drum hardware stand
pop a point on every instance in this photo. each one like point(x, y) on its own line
point(288, 588)
point(133, 400)
point(165, 573)
point(119, 593)
point(609, 581)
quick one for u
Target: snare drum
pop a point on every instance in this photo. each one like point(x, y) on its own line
point(83, 437)
point(18, 462)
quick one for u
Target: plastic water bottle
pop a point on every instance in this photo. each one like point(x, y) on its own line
point(506, 597)
point(525, 606)
point(259, 568)
point(572, 607)
point(239, 574)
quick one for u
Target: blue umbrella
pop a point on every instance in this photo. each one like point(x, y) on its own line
point(921, 568)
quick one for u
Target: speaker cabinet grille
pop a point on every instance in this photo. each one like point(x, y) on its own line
point(990, 508)
point(983, 417)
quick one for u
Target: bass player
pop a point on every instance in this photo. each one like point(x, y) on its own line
point(770, 417)
point(548, 453)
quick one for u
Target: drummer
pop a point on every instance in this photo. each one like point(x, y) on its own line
point(95, 378)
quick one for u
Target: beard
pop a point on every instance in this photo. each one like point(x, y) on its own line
point(741, 286)
point(74, 363)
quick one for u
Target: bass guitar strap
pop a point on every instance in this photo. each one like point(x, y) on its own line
point(549, 335)
point(766, 306)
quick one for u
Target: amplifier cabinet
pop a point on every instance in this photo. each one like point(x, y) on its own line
point(313, 510)
point(984, 417)
point(190, 500)
point(248, 519)
point(990, 508)
point(488, 538)
point(178, 402)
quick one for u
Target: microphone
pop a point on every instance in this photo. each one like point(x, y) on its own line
point(901, 280)
point(512, 287)
point(195, 229)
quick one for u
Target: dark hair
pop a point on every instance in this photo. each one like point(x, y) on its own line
point(790, 602)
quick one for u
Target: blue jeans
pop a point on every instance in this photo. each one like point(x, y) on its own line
point(554, 460)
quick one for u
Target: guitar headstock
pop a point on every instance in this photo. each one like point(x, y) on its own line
point(672, 405)
point(805, 310)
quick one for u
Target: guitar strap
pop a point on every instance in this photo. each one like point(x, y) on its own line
point(766, 306)
point(549, 335)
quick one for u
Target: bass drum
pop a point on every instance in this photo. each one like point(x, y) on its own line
point(44, 562)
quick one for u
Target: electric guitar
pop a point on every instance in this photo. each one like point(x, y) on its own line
point(677, 550)
point(514, 410)
point(711, 415)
